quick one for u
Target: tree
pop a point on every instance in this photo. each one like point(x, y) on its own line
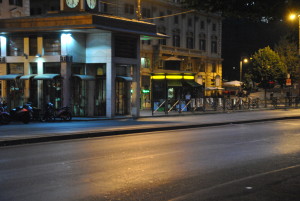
point(257, 10)
point(287, 50)
point(267, 66)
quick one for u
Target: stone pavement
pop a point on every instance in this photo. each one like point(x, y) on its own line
point(35, 132)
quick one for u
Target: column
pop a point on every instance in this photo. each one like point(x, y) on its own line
point(110, 89)
point(26, 69)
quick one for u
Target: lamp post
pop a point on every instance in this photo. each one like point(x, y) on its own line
point(243, 60)
point(293, 17)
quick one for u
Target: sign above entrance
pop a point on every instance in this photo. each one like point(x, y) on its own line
point(173, 77)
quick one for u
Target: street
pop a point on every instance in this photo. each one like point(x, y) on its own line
point(255, 161)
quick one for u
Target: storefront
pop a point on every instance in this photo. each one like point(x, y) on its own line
point(174, 91)
point(95, 70)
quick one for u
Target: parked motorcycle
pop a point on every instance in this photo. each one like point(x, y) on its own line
point(51, 113)
point(22, 113)
point(35, 112)
point(5, 117)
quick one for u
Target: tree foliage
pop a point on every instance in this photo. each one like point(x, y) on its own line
point(256, 10)
point(267, 66)
point(287, 50)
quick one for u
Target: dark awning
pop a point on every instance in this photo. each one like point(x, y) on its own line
point(192, 83)
point(174, 83)
point(46, 76)
point(128, 79)
point(27, 77)
point(85, 77)
point(10, 76)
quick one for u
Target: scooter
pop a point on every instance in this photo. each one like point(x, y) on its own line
point(5, 117)
point(22, 113)
point(51, 113)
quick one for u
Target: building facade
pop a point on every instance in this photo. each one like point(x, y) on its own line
point(193, 47)
point(86, 61)
point(14, 8)
point(188, 61)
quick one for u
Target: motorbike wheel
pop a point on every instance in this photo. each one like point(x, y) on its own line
point(46, 117)
point(67, 116)
point(26, 118)
point(5, 118)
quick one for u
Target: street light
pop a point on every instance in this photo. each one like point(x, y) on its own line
point(243, 60)
point(293, 17)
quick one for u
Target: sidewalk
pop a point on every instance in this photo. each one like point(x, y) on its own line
point(18, 133)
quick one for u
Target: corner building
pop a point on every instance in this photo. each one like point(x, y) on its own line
point(87, 61)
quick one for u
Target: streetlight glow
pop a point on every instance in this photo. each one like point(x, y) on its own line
point(292, 16)
point(245, 60)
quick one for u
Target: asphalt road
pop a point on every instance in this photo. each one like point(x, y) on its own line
point(258, 161)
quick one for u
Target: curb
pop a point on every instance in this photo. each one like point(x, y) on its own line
point(72, 136)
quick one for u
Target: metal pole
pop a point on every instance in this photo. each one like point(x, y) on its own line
point(241, 66)
point(138, 12)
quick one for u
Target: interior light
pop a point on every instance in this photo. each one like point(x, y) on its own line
point(188, 77)
point(174, 77)
point(158, 77)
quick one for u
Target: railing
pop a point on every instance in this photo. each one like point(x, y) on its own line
point(213, 104)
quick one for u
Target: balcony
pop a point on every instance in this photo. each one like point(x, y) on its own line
point(163, 49)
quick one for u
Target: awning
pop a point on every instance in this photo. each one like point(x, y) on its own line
point(193, 83)
point(85, 77)
point(213, 88)
point(10, 76)
point(174, 83)
point(27, 77)
point(46, 76)
point(128, 79)
point(172, 59)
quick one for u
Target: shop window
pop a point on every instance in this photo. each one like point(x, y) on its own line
point(145, 62)
point(52, 45)
point(15, 68)
point(202, 67)
point(32, 46)
point(52, 68)
point(15, 46)
point(214, 68)
point(125, 46)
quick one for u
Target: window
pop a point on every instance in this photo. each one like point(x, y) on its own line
point(103, 7)
point(176, 40)
point(16, 2)
point(176, 19)
point(146, 13)
point(214, 27)
point(161, 14)
point(190, 42)
point(32, 46)
point(145, 62)
point(15, 46)
point(125, 46)
point(202, 44)
point(214, 68)
point(214, 47)
point(202, 25)
point(51, 44)
point(129, 9)
point(190, 22)
point(202, 67)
